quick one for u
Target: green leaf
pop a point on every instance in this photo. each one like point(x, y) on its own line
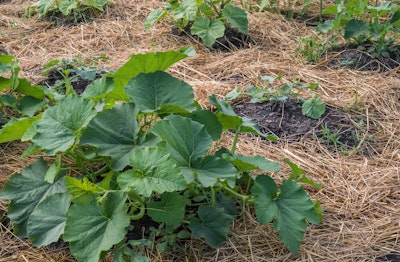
point(208, 30)
point(68, 6)
point(60, 126)
point(237, 17)
point(26, 190)
point(395, 17)
point(26, 88)
point(46, 223)
point(186, 139)
point(355, 28)
point(326, 26)
point(153, 17)
point(15, 129)
point(114, 132)
point(210, 170)
point(53, 170)
point(249, 163)
point(142, 63)
point(43, 6)
point(210, 121)
point(81, 190)
point(91, 229)
point(231, 121)
point(29, 105)
point(187, 10)
point(170, 210)
point(99, 88)
point(212, 225)
point(153, 170)
point(290, 209)
point(150, 91)
point(313, 108)
point(297, 174)
point(227, 203)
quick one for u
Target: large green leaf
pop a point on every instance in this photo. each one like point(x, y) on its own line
point(237, 17)
point(248, 163)
point(26, 190)
point(91, 228)
point(170, 210)
point(187, 10)
point(210, 121)
point(209, 30)
point(210, 170)
point(99, 88)
point(113, 132)
point(212, 224)
point(150, 91)
point(47, 221)
point(68, 6)
point(153, 17)
point(60, 126)
point(43, 6)
point(153, 170)
point(186, 139)
point(290, 209)
point(26, 88)
point(15, 129)
point(355, 28)
point(142, 63)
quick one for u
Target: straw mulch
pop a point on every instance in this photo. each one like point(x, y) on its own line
point(361, 194)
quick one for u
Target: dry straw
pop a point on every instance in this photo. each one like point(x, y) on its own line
point(361, 194)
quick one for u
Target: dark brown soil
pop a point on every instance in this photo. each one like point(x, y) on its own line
point(78, 83)
point(232, 40)
point(339, 131)
point(356, 57)
point(141, 228)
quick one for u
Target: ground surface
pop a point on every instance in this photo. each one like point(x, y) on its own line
point(359, 172)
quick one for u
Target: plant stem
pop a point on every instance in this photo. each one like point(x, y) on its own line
point(235, 142)
point(140, 214)
point(243, 198)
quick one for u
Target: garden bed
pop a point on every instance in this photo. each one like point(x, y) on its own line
point(361, 184)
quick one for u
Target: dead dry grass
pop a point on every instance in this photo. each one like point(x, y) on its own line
point(361, 194)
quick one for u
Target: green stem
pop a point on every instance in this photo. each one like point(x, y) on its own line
point(243, 198)
point(140, 214)
point(101, 171)
point(212, 196)
point(235, 139)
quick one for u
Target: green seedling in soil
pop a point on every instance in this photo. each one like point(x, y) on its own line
point(313, 107)
point(312, 48)
point(206, 19)
point(73, 10)
point(135, 145)
point(373, 29)
point(72, 72)
point(287, 8)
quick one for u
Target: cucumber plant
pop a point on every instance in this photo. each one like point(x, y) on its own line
point(134, 145)
point(206, 19)
point(73, 10)
point(372, 28)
